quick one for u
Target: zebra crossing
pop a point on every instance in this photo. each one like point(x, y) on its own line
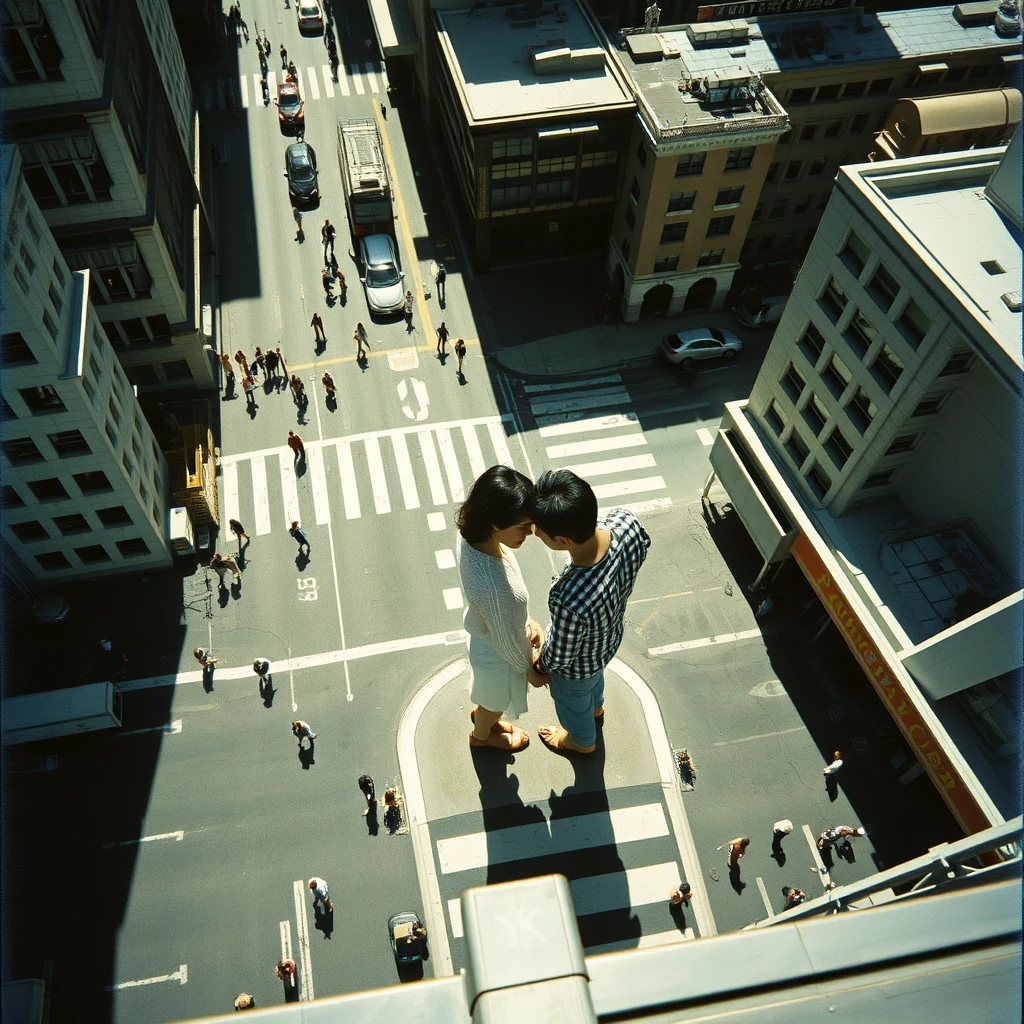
point(621, 863)
point(381, 472)
point(315, 82)
point(580, 419)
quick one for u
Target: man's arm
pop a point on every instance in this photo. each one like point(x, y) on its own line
point(565, 634)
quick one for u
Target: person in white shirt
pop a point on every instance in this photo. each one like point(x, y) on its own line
point(318, 887)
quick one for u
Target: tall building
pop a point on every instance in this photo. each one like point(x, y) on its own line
point(97, 99)
point(84, 481)
point(879, 449)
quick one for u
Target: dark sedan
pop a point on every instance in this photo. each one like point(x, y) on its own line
point(300, 170)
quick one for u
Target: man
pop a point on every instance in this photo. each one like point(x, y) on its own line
point(284, 58)
point(442, 338)
point(261, 666)
point(302, 731)
point(317, 324)
point(440, 279)
point(408, 309)
point(296, 445)
point(318, 887)
point(587, 602)
point(327, 236)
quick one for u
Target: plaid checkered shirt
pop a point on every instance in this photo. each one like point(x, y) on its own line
point(588, 602)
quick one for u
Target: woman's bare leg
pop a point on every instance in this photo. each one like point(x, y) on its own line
point(483, 722)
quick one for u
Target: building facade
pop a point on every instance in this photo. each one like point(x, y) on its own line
point(97, 99)
point(84, 480)
point(879, 449)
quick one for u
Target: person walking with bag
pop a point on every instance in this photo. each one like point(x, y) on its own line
point(299, 536)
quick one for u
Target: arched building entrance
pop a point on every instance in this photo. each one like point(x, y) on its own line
point(701, 294)
point(656, 301)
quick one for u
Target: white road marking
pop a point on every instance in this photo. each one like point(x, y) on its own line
point(451, 463)
point(644, 942)
point(476, 456)
point(760, 736)
point(707, 641)
point(356, 80)
point(532, 389)
point(325, 70)
point(546, 838)
point(435, 522)
point(400, 359)
point(245, 92)
point(304, 965)
point(290, 489)
point(171, 728)
point(583, 424)
point(641, 508)
point(500, 444)
point(314, 85)
point(176, 836)
point(181, 975)
point(272, 82)
point(343, 85)
point(705, 436)
point(453, 598)
point(561, 404)
point(438, 495)
point(378, 481)
point(349, 491)
point(229, 487)
point(406, 477)
point(764, 897)
point(285, 928)
point(812, 842)
point(321, 497)
point(445, 558)
point(383, 76)
point(608, 466)
point(648, 483)
point(257, 86)
point(260, 495)
point(769, 688)
point(596, 444)
point(368, 68)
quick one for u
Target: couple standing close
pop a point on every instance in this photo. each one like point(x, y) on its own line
point(587, 602)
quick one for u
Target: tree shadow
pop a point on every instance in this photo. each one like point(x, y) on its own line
point(267, 691)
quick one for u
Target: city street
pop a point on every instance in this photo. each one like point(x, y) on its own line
point(165, 867)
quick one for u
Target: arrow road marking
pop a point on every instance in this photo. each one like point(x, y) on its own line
point(181, 974)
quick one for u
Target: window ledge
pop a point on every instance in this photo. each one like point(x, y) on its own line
point(727, 206)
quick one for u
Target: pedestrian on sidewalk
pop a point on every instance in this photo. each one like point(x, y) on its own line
point(442, 338)
point(737, 847)
point(284, 369)
point(296, 445)
point(833, 768)
point(225, 361)
point(329, 386)
point(284, 58)
point(299, 536)
point(365, 784)
point(249, 387)
point(298, 391)
point(318, 887)
point(261, 666)
point(301, 731)
point(202, 655)
point(460, 352)
point(680, 894)
point(239, 531)
point(297, 214)
point(243, 363)
point(225, 563)
point(261, 361)
point(317, 324)
point(327, 237)
point(439, 280)
point(272, 362)
point(408, 309)
point(793, 896)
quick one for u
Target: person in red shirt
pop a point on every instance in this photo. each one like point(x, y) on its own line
point(296, 445)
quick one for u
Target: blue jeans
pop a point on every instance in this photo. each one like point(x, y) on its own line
point(576, 700)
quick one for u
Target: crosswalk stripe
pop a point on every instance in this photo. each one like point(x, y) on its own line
point(573, 419)
point(314, 85)
point(343, 85)
point(405, 474)
point(569, 385)
point(349, 491)
point(289, 486)
point(356, 80)
point(260, 495)
point(644, 942)
point(584, 425)
point(596, 444)
point(245, 92)
point(229, 486)
point(597, 894)
point(476, 456)
point(451, 463)
point(638, 508)
point(438, 494)
point(257, 88)
point(623, 465)
point(546, 838)
point(378, 481)
point(648, 483)
point(272, 82)
point(571, 402)
point(321, 499)
point(383, 77)
point(368, 68)
point(325, 70)
point(497, 432)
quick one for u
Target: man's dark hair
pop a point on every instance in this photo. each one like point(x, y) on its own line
point(564, 505)
point(500, 498)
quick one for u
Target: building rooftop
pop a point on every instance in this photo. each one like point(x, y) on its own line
point(494, 54)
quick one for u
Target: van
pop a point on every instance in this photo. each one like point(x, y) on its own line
point(53, 713)
point(180, 533)
point(759, 312)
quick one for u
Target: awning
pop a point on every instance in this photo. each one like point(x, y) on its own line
point(396, 31)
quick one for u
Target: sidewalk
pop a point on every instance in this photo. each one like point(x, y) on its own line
point(613, 822)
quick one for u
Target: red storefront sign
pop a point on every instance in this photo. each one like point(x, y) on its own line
point(971, 816)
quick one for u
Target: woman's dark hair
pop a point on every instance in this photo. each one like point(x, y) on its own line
point(564, 505)
point(500, 498)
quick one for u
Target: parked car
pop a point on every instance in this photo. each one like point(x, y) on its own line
point(407, 946)
point(698, 344)
point(380, 275)
point(290, 108)
point(300, 170)
point(755, 312)
point(309, 16)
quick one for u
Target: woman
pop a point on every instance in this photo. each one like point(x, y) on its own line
point(298, 390)
point(503, 639)
point(328, 382)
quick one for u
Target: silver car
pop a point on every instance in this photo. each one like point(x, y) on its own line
point(688, 347)
point(380, 275)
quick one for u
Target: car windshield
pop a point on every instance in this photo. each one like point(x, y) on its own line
point(309, 10)
point(289, 101)
point(382, 277)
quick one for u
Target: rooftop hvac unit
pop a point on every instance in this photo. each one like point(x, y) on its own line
point(712, 33)
point(551, 62)
point(588, 58)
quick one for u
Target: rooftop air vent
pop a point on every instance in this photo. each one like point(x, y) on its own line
point(1012, 300)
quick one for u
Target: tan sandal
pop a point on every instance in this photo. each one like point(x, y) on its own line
point(507, 741)
point(499, 726)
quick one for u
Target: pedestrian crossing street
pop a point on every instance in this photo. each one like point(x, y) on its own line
point(315, 82)
point(581, 419)
point(621, 863)
point(408, 467)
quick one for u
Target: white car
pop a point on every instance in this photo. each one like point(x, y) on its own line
point(309, 16)
point(380, 275)
point(755, 313)
point(700, 343)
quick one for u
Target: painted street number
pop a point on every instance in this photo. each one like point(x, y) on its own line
point(307, 588)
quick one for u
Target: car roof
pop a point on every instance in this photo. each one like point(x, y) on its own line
point(378, 248)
